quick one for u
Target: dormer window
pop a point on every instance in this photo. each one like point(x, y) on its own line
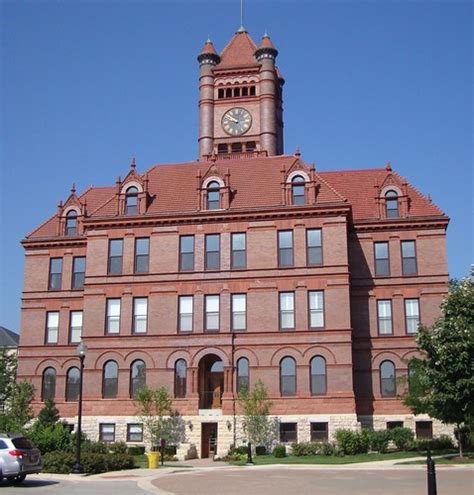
point(71, 222)
point(213, 196)
point(298, 190)
point(391, 204)
point(131, 201)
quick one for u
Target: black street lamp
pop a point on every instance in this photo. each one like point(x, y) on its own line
point(81, 351)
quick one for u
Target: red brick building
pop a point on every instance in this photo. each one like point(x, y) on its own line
point(246, 264)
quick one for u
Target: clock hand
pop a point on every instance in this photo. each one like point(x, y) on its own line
point(233, 119)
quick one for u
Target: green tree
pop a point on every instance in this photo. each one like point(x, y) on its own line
point(49, 414)
point(160, 422)
point(18, 410)
point(8, 364)
point(257, 425)
point(441, 384)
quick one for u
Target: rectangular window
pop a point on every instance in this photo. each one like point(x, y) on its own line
point(112, 324)
point(239, 251)
point(288, 432)
point(55, 273)
point(316, 309)
point(382, 259)
point(409, 258)
point(185, 309)
point(213, 252)
point(186, 253)
point(314, 247)
point(142, 254)
point(384, 316)
point(140, 314)
point(394, 424)
point(412, 315)
point(319, 432)
point(287, 310)
point(75, 330)
point(115, 257)
point(211, 313)
point(78, 272)
point(134, 432)
point(424, 429)
point(239, 311)
point(52, 327)
point(285, 248)
point(107, 432)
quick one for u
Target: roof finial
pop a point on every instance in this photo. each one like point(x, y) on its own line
point(388, 167)
point(133, 164)
point(265, 34)
point(298, 151)
point(73, 188)
point(241, 28)
point(209, 39)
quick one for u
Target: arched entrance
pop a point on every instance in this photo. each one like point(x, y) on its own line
point(211, 382)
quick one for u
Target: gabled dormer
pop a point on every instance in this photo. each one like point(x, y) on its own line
point(132, 193)
point(71, 215)
point(391, 196)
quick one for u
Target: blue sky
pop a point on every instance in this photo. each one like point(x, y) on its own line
point(87, 84)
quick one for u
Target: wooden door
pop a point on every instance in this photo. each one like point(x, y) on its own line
point(208, 440)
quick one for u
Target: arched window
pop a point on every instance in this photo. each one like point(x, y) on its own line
point(49, 384)
point(318, 376)
point(180, 379)
point(391, 204)
point(110, 380)
point(288, 376)
point(71, 222)
point(72, 384)
point(242, 374)
point(137, 377)
point(297, 190)
point(131, 201)
point(387, 379)
point(213, 195)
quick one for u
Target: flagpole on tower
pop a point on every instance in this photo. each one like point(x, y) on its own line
point(241, 29)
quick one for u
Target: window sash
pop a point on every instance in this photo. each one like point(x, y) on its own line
point(72, 386)
point(142, 254)
point(287, 310)
point(409, 266)
point(412, 315)
point(288, 385)
point(319, 432)
point(384, 317)
point(316, 309)
point(55, 273)
point(239, 311)
point(134, 433)
point(78, 272)
point(285, 248)
point(113, 316)
point(238, 256)
point(186, 253)
point(107, 432)
point(382, 259)
point(212, 313)
point(75, 331)
point(213, 252)
point(140, 314)
point(318, 384)
point(52, 327)
point(391, 208)
point(288, 432)
point(186, 304)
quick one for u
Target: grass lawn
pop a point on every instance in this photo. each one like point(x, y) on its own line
point(448, 459)
point(322, 459)
point(141, 461)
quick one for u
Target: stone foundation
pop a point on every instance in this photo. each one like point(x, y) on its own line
point(230, 431)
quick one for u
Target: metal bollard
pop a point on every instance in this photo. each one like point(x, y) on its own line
point(249, 453)
point(431, 473)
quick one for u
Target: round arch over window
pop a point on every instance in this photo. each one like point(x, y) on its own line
point(242, 374)
point(318, 376)
point(391, 204)
point(298, 190)
point(48, 389)
point(71, 222)
point(288, 376)
point(137, 377)
point(180, 371)
point(72, 384)
point(387, 379)
point(213, 195)
point(131, 201)
point(110, 380)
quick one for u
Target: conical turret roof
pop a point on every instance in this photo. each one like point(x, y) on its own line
point(239, 51)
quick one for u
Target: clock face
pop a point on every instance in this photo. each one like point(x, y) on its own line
point(236, 121)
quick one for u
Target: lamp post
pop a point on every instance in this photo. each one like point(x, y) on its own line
point(81, 351)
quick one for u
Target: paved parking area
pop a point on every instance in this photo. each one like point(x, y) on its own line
point(276, 481)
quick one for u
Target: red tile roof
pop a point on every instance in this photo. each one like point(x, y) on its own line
point(208, 48)
point(266, 42)
point(239, 52)
point(256, 183)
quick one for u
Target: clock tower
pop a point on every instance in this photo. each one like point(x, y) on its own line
point(240, 99)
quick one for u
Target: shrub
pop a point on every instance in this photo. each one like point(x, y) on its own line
point(443, 442)
point(260, 450)
point(327, 448)
point(237, 453)
point(93, 463)
point(378, 440)
point(117, 462)
point(51, 438)
point(58, 462)
point(352, 442)
point(94, 447)
point(136, 449)
point(305, 448)
point(279, 451)
point(118, 448)
point(402, 437)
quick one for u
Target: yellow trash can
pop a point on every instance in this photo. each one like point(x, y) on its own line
point(153, 460)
